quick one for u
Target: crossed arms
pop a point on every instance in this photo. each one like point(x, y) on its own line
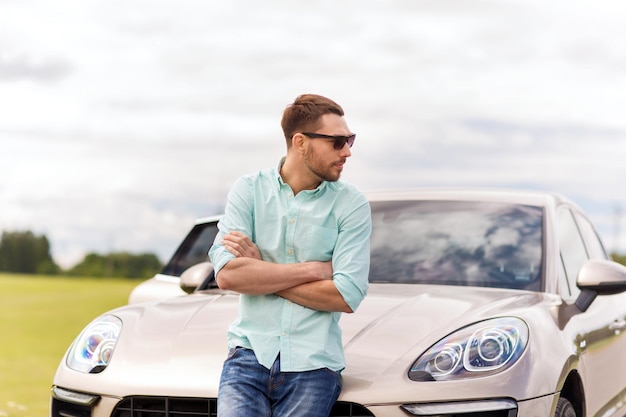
point(309, 284)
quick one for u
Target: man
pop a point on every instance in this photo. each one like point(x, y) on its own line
point(294, 242)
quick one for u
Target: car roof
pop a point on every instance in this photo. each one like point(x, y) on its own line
point(547, 199)
point(209, 219)
point(534, 198)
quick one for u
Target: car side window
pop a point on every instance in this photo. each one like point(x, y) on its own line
point(193, 250)
point(594, 244)
point(573, 252)
point(564, 288)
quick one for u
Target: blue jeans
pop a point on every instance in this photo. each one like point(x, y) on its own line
point(248, 389)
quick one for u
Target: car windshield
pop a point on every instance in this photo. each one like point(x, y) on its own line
point(457, 243)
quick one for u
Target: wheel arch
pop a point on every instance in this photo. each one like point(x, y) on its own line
point(573, 390)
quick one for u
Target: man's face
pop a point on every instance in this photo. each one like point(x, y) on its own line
point(321, 158)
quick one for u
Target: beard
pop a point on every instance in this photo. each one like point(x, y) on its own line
point(323, 170)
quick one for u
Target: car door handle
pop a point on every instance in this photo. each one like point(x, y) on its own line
point(617, 325)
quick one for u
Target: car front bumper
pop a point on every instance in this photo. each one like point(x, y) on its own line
point(78, 404)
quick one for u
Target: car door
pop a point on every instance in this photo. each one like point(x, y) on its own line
point(617, 327)
point(598, 346)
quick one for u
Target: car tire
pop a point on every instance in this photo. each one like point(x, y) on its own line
point(564, 408)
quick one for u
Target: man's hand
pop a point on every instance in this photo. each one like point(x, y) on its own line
point(241, 246)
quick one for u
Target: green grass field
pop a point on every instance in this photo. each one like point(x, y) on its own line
point(39, 317)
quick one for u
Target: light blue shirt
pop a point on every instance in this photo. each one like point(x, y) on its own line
point(332, 222)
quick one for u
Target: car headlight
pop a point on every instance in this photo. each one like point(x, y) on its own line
point(93, 349)
point(483, 348)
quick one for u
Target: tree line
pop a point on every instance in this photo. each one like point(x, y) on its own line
point(27, 253)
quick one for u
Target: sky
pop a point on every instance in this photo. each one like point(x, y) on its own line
point(123, 122)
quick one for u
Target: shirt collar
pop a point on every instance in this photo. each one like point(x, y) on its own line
point(280, 182)
point(279, 179)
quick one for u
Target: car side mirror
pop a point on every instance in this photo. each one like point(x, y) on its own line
point(195, 275)
point(599, 277)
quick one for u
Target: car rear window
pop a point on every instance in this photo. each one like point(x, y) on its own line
point(465, 243)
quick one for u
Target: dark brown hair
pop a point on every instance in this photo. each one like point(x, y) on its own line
point(304, 113)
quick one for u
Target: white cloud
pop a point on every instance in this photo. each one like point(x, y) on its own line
point(122, 121)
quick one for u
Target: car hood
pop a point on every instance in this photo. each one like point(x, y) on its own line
point(177, 346)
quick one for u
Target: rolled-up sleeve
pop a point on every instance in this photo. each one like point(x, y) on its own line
point(237, 217)
point(351, 259)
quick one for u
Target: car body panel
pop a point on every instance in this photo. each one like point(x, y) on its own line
point(376, 370)
point(158, 287)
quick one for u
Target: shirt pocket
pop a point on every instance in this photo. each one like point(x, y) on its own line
point(317, 243)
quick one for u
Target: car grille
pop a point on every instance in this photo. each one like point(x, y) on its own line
point(166, 407)
point(60, 408)
point(203, 407)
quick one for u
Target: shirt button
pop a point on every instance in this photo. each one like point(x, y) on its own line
point(291, 221)
point(283, 333)
point(289, 252)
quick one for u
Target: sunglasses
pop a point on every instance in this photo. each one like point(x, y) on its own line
point(340, 141)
